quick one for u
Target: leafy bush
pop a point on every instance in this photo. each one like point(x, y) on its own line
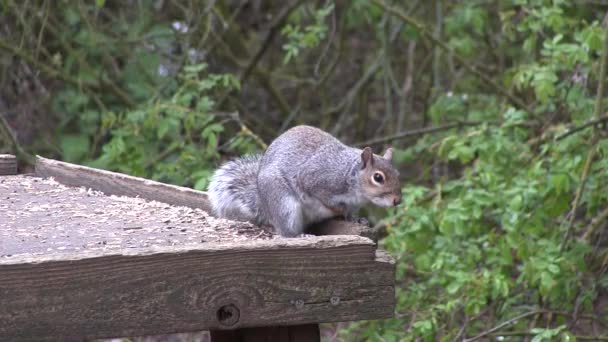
point(516, 234)
point(173, 139)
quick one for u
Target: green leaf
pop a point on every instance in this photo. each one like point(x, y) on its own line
point(74, 147)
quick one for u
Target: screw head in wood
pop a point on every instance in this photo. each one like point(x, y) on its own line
point(228, 315)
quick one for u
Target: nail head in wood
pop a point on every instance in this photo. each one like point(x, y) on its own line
point(8, 164)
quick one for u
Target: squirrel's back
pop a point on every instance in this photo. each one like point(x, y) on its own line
point(301, 143)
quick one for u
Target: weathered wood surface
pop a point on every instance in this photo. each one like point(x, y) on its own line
point(178, 289)
point(8, 164)
point(43, 217)
point(112, 183)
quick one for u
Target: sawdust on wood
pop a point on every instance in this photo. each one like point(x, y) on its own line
point(40, 216)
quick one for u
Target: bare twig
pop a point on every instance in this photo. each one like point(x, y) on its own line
point(528, 333)
point(502, 325)
point(330, 41)
point(252, 64)
point(593, 122)
point(352, 93)
point(595, 224)
point(246, 130)
point(7, 133)
point(579, 194)
point(461, 60)
point(53, 73)
point(417, 132)
point(275, 26)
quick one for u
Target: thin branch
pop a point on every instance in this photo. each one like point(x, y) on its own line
point(577, 129)
point(528, 333)
point(425, 130)
point(591, 154)
point(417, 132)
point(579, 194)
point(251, 65)
point(461, 60)
point(502, 325)
point(347, 102)
point(352, 93)
point(264, 78)
point(245, 130)
point(50, 72)
point(595, 224)
point(7, 133)
point(275, 26)
point(120, 93)
point(53, 73)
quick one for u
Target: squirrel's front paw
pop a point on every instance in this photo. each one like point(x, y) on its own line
point(362, 221)
point(357, 219)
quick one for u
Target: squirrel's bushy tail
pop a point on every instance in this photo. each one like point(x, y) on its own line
point(233, 190)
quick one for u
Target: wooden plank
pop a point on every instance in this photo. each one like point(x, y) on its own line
point(112, 183)
point(295, 333)
point(276, 282)
point(41, 216)
point(8, 164)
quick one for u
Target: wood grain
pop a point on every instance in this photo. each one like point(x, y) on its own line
point(8, 164)
point(177, 289)
point(112, 183)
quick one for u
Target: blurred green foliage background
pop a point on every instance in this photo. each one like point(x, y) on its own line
point(496, 108)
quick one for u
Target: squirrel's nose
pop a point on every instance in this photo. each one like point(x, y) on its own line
point(396, 200)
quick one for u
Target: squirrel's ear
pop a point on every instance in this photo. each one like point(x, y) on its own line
point(367, 156)
point(388, 154)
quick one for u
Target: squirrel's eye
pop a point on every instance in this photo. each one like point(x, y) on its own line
point(378, 177)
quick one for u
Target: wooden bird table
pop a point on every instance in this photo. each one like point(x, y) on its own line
point(87, 253)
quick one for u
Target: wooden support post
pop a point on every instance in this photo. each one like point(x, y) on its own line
point(8, 164)
point(294, 333)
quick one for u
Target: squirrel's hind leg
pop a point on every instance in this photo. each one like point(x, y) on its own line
point(289, 219)
point(282, 210)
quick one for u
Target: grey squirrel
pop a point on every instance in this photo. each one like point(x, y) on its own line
point(305, 176)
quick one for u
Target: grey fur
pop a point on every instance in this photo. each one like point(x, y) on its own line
point(233, 190)
point(305, 176)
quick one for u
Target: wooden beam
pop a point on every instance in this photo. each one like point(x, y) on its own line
point(112, 183)
point(152, 291)
point(8, 164)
